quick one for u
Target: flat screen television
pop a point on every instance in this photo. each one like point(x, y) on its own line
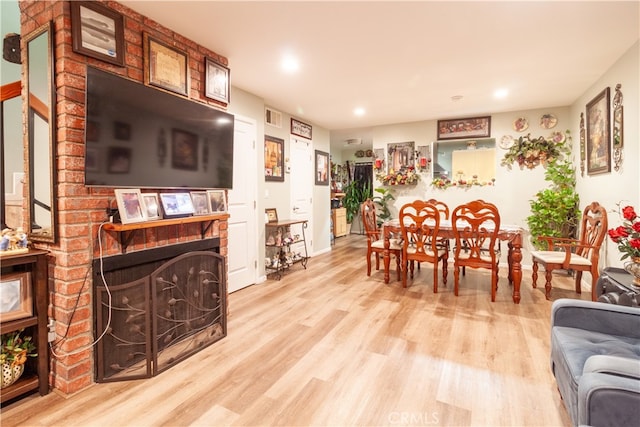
point(140, 137)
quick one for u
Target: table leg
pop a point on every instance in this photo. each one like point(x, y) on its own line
point(386, 256)
point(516, 267)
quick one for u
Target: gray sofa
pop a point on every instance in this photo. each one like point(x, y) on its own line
point(595, 358)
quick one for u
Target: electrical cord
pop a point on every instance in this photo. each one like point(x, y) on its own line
point(56, 344)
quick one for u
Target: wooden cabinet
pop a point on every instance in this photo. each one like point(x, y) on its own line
point(34, 266)
point(339, 222)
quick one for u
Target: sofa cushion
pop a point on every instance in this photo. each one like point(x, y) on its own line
point(575, 346)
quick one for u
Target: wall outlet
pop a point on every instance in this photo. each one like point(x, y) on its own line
point(51, 337)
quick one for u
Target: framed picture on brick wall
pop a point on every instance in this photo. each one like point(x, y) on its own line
point(97, 31)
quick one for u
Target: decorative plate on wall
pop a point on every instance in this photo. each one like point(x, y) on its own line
point(558, 137)
point(369, 153)
point(520, 124)
point(359, 153)
point(548, 121)
point(506, 142)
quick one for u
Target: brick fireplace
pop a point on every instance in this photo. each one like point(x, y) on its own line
point(81, 210)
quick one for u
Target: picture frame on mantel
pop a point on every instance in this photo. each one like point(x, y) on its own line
point(165, 67)
point(217, 81)
point(598, 134)
point(97, 31)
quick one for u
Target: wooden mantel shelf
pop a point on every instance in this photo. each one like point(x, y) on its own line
point(128, 231)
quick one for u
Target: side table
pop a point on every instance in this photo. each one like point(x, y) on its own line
point(615, 286)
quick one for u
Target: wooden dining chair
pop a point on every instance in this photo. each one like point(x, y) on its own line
point(419, 224)
point(582, 254)
point(475, 228)
point(375, 240)
point(443, 210)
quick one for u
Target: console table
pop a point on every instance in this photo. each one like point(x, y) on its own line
point(615, 286)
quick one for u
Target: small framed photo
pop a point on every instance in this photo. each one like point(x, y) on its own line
point(97, 31)
point(273, 158)
point(16, 301)
point(272, 214)
point(151, 206)
point(217, 81)
point(599, 134)
point(217, 201)
point(200, 202)
point(472, 127)
point(322, 168)
point(184, 150)
point(130, 205)
point(175, 205)
point(166, 67)
point(300, 129)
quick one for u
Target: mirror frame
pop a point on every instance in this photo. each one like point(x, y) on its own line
point(33, 107)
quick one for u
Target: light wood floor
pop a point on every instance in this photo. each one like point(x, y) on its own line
point(331, 346)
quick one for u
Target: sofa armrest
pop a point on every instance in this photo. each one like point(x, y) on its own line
point(608, 400)
point(596, 316)
point(613, 365)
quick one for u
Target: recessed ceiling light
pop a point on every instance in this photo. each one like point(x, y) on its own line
point(501, 93)
point(290, 64)
point(359, 111)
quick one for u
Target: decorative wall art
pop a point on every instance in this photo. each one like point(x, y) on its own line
point(301, 129)
point(598, 134)
point(97, 31)
point(618, 128)
point(217, 81)
point(165, 67)
point(473, 127)
point(184, 150)
point(520, 124)
point(273, 159)
point(130, 205)
point(548, 121)
point(322, 168)
point(16, 302)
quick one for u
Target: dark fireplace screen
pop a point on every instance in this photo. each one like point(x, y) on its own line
point(158, 313)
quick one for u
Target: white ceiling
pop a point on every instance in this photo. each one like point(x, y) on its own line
point(404, 61)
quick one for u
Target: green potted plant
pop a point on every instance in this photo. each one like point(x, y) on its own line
point(355, 193)
point(13, 355)
point(554, 211)
point(382, 201)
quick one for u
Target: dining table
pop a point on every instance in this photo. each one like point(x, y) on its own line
point(512, 234)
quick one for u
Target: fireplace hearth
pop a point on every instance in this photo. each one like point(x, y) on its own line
point(155, 308)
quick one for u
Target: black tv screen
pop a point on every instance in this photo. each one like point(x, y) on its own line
point(140, 137)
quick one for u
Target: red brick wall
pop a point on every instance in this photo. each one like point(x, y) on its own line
point(81, 210)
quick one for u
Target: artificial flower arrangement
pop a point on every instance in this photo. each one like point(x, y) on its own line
point(627, 236)
point(530, 152)
point(443, 182)
point(404, 176)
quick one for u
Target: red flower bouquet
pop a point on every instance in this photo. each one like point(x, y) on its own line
point(627, 236)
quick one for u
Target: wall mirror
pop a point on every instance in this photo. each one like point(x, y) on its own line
point(41, 134)
point(466, 160)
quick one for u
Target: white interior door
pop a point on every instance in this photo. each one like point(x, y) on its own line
point(242, 247)
point(302, 166)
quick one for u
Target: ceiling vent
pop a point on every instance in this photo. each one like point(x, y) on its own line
point(273, 117)
point(354, 141)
